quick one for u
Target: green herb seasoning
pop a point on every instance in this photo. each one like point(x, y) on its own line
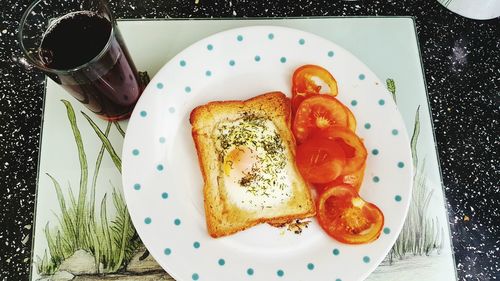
point(260, 136)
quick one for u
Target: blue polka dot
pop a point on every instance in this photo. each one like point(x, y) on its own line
point(239, 38)
point(381, 102)
point(282, 59)
point(375, 151)
point(171, 109)
point(387, 230)
point(162, 139)
point(195, 276)
point(376, 179)
point(302, 41)
point(368, 125)
point(270, 36)
point(366, 259)
point(182, 63)
point(397, 198)
point(137, 186)
point(401, 165)
point(310, 266)
point(361, 76)
point(395, 132)
point(147, 220)
point(196, 245)
point(164, 195)
point(250, 271)
point(257, 58)
point(354, 102)
point(187, 89)
point(208, 73)
point(177, 221)
point(221, 262)
point(232, 62)
point(210, 47)
point(167, 251)
point(135, 152)
point(159, 85)
point(159, 167)
point(144, 113)
point(336, 252)
point(331, 53)
point(280, 273)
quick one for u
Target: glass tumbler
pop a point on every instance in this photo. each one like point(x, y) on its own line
point(78, 45)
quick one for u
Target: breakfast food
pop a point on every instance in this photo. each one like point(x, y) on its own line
point(310, 80)
point(246, 153)
point(332, 157)
point(254, 172)
point(345, 216)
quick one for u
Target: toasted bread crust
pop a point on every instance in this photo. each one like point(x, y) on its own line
point(222, 216)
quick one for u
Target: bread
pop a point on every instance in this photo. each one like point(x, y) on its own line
point(246, 154)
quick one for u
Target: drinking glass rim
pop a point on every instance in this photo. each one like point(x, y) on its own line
point(62, 71)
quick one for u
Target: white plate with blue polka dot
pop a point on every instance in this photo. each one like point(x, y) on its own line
point(163, 183)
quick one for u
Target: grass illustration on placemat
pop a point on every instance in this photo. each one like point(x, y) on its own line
point(421, 234)
point(111, 241)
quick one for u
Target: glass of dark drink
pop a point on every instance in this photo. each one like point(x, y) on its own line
point(78, 45)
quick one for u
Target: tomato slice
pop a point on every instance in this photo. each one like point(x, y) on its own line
point(354, 149)
point(309, 80)
point(351, 120)
point(353, 179)
point(320, 160)
point(347, 217)
point(318, 112)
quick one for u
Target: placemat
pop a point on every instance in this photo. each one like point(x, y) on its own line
point(82, 227)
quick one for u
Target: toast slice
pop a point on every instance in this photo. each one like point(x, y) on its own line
point(246, 154)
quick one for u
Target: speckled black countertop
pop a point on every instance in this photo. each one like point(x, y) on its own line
point(462, 68)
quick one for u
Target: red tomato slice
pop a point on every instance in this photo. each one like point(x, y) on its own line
point(351, 120)
point(309, 80)
point(320, 160)
point(318, 112)
point(353, 179)
point(354, 149)
point(347, 217)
